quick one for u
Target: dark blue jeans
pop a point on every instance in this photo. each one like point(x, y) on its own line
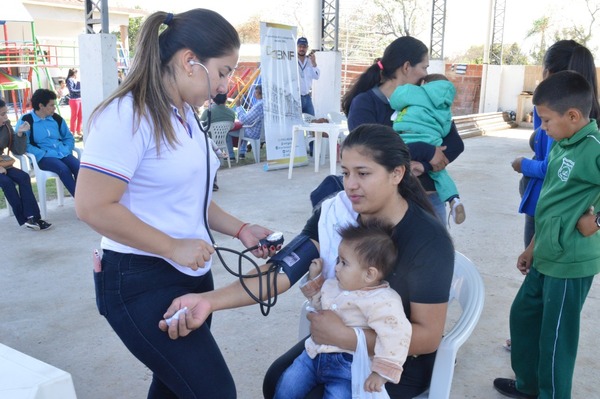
point(133, 292)
point(415, 378)
point(307, 105)
point(330, 369)
point(66, 168)
point(438, 206)
point(23, 202)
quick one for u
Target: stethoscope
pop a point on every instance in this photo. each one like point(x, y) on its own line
point(204, 130)
point(273, 241)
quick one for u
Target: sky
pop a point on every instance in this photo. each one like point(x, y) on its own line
point(465, 19)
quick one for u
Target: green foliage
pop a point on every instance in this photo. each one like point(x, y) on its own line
point(474, 55)
point(133, 31)
point(513, 55)
point(539, 29)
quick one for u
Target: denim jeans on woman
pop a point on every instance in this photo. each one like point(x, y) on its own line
point(133, 292)
point(438, 206)
point(331, 369)
point(23, 202)
point(66, 168)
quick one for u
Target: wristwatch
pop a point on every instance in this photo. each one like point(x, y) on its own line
point(598, 219)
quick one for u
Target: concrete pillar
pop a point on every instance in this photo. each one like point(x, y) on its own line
point(98, 71)
point(491, 101)
point(315, 25)
point(327, 90)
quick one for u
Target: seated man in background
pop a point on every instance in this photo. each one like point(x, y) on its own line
point(252, 121)
point(219, 112)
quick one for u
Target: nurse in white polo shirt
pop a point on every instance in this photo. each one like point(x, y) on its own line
point(146, 185)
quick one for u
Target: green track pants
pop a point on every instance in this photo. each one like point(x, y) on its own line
point(544, 329)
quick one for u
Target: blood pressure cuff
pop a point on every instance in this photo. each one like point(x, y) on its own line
point(295, 258)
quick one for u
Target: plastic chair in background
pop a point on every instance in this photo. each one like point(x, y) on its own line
point(218, 132)
point(468, 289)
point(254, 142)
point(337, 118)
point(28, 163)
point(310, 138)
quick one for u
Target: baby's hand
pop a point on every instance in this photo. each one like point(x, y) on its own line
point(374, 383)
point(315, 268)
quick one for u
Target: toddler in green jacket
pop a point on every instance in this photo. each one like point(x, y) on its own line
point(562, 259)
point(424, 114)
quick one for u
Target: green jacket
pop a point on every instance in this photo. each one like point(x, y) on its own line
point(571, 186)
point(219, 113)
point(424, 112)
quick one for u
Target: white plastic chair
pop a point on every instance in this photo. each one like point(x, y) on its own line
point(337, 118)
point(218, 132)
point(306, 119)
point(28, 162)
point(467, 287)
point(254, 142)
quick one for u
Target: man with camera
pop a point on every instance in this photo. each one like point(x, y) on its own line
point(308, 71)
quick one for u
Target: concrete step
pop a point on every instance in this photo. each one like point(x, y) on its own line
point(478, 124)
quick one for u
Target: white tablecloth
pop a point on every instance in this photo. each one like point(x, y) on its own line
point(24, 377)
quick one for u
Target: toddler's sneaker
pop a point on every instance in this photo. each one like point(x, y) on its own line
point(457, 211)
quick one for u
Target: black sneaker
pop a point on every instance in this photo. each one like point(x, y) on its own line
point(242, 156)
point(32, 223)
point(507, 387)
point(43, 224)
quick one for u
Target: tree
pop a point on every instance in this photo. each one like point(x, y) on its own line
point(513, 55)
point(580, 33)
point(249, 31)
point(474, 55)
point(540, 28)
point(132, 33)
point(399, 17)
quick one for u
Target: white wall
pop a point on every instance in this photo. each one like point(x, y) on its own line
point(512, 80)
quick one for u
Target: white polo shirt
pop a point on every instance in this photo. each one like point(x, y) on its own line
point(167, 191)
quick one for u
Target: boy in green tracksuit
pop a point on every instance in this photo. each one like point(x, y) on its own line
point(562, 259)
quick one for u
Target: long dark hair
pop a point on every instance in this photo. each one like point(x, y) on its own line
point(387, 148)
point(569, 55)
point(206, 33)
point(395, 55)
point(71, 73)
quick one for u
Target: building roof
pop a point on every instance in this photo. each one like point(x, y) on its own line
point(80, 5)
point(16, 12)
